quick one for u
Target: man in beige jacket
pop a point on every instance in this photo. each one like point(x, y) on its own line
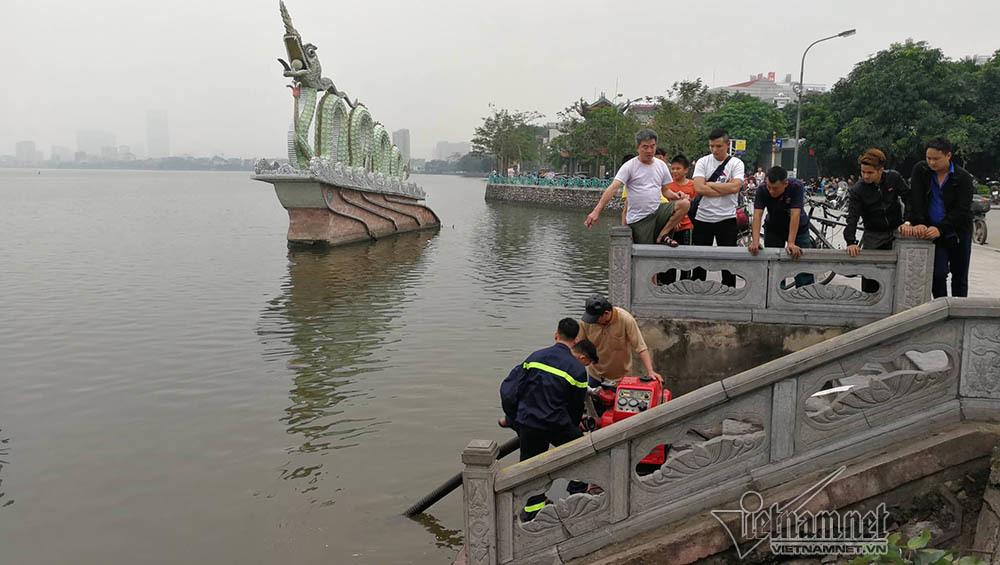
point(616, 335)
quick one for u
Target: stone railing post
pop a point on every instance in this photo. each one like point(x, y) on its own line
point(620, 267)
point(914, 273)
point(480, 458)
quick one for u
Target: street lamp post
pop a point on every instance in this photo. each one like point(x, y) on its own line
point(798, 111)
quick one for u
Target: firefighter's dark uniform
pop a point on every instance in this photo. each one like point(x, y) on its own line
point(543, 400)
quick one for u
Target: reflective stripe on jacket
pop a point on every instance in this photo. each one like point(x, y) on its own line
point(546, 392)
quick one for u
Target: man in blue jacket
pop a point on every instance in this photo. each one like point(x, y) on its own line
point(543, 396)
point(940, 209)
point(543, 399)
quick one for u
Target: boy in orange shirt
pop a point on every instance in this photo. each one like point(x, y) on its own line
point(679, 167)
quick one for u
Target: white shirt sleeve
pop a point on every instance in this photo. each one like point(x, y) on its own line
point(737, 170)
point(624, 174)
point(667, 178)
point(699, 168)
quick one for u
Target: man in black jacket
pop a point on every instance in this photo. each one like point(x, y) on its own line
point(877, 198)
point(939, 209)
point(543, 396)
point(543, 399)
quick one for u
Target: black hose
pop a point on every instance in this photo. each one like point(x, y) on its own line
point(453, 483)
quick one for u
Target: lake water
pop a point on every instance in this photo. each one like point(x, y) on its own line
point(177, 386)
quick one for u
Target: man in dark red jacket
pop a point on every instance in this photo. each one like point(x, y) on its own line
point(940, 209)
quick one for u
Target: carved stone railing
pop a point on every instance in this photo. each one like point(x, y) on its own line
point(531, 180)
point(765, 291)
point(902, 377)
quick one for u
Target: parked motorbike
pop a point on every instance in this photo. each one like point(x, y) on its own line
point(980, 206)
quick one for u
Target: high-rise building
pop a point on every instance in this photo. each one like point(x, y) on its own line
point(24, 151)
point(401, 139)
point(157, 134)
point(91, 142)
point(447, 150)
point(62, 153)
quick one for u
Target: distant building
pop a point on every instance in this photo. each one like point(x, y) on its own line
point(91, 142)
point(109, 153)
point(767, 89)
point(417, 165)
point(25, 152)
point(157, 134)
point(62, 153)
point(401, 139)
point(551, 131)
point(451, 151)
point(644, 112)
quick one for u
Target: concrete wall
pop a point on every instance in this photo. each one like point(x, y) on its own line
point(553, 196)
point(693, 353)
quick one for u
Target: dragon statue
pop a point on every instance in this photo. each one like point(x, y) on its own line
point(349, 167)
point(344, 130)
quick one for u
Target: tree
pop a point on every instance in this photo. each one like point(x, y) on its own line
point(819, 128)
point(508, 136)
point(987, 116)
point(679, 119)
point(602, 137)
point(473, 163)
point(896, 100)
point(749, 118)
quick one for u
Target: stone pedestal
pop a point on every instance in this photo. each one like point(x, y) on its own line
point(480, 458)
point(914, 273)
point(620, 271)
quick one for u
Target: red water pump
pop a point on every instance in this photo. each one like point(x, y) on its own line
point(631, 396)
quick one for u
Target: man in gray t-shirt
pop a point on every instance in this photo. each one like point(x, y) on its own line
point(646, 178)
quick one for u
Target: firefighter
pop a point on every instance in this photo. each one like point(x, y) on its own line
point(543, 399)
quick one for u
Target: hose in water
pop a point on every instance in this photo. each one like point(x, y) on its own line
point(453, 483)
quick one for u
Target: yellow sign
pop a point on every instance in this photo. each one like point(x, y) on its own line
point(740, 144)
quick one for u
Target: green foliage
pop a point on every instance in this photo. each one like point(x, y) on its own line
point(508, 136)
point(898, 99)
point(746, 117)
point(915, 552)
point(680, 116)
point(603, 137)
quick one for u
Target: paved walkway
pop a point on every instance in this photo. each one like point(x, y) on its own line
point(984, 274)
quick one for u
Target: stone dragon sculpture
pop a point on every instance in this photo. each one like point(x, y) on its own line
point(345, 132)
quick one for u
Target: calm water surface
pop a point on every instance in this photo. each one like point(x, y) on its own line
point(176, 386)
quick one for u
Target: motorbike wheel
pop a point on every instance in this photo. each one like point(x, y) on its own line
point(979, 231)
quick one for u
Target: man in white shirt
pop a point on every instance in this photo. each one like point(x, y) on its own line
point(718, 178)
point(647, 179)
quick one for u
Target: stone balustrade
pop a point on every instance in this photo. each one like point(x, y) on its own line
point(899, 378)
point(650, 281)
point(568, 182)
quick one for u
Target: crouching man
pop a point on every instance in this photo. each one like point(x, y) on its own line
point(543, 399)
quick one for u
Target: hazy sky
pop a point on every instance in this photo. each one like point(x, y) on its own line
point(432, 66)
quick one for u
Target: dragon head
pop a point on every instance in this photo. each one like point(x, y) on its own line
point(304, 67)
